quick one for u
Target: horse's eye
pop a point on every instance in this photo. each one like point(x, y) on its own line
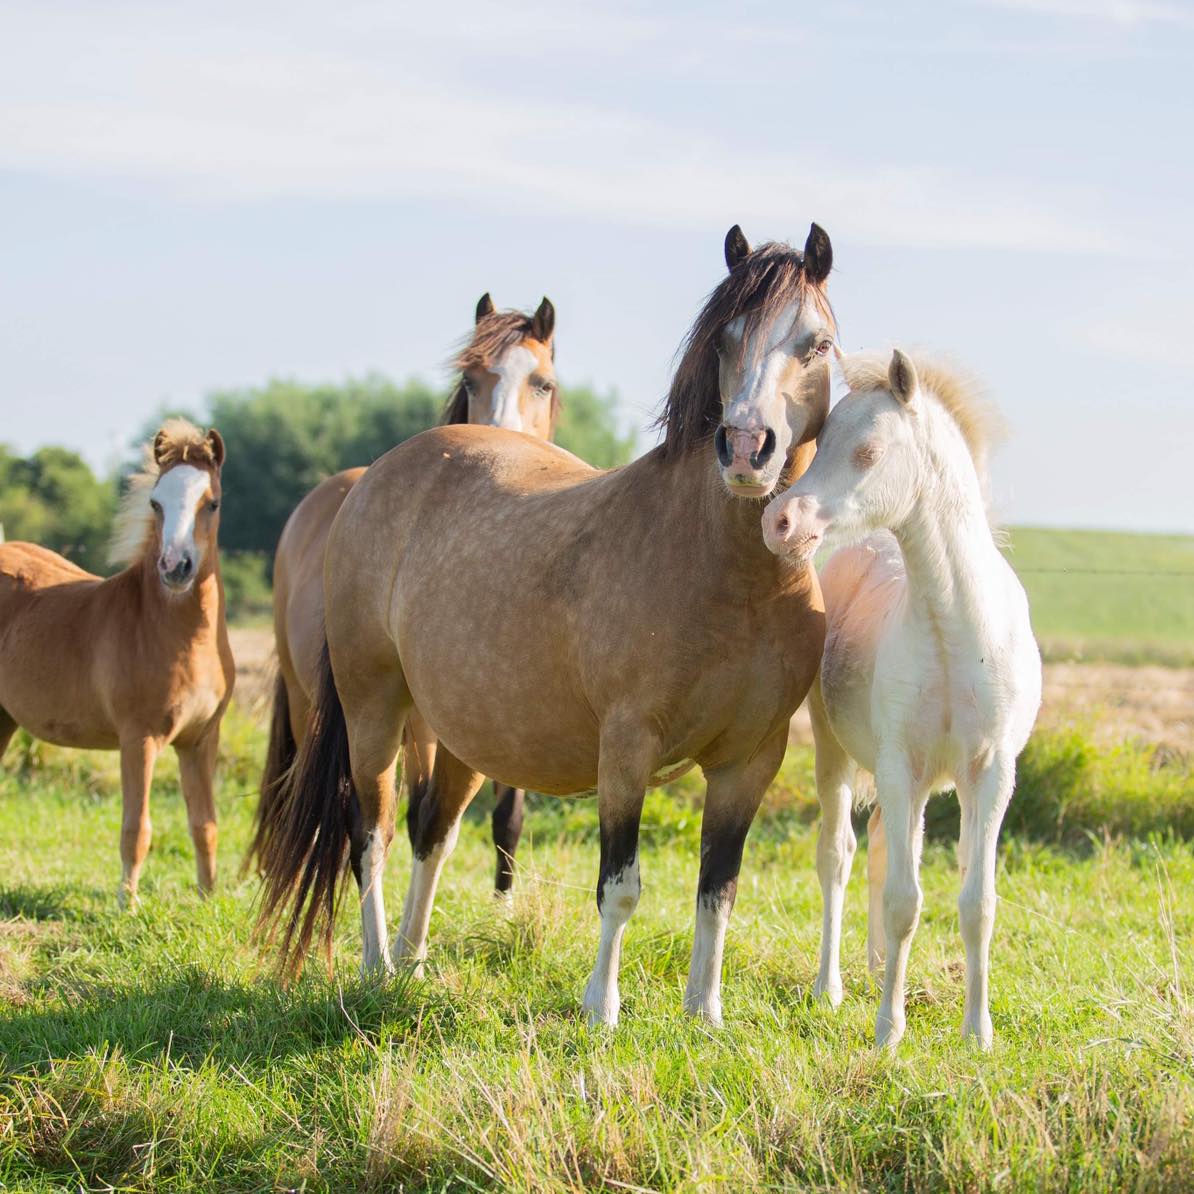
point(155, 505)
point(824, 347)
point(866, 455)
point(470, 386)
point(213, 505)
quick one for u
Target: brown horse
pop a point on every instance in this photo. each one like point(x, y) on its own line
point(138, 661)
point(507, 379)
point(642, 627)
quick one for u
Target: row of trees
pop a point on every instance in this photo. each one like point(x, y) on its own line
point(282, 438)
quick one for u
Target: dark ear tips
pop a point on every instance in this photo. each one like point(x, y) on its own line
point(484, 306)
point(818, 254)
point(543, 323)
point(737, 247)
point(901, 377)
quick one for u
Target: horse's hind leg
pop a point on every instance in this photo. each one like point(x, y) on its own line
point(732, 798)
point(507, 829)
point(376, 703)
point(137, 757)
point(8, 727)
point(835, 845)
point(987, 795)
point(876, 877)
point(452, 787)
point(418, 761)
point(196, 766)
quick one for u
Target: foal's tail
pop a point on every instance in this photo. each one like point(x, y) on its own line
point(279, 758)
point(303, 837)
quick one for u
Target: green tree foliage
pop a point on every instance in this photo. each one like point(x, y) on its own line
point(587, 428)
point(54, 499)
point(283, 438)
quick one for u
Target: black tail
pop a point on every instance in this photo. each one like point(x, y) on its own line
point(304, 848)
point(279, 758)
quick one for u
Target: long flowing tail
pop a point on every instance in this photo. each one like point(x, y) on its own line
point(303, 852)
point(279, 758)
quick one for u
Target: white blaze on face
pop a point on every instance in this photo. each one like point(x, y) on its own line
point(512, 372)
point(179, 493)
point(766, 358)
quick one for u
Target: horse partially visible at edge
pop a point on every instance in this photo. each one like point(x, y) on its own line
point(643, 627)
point(138, 661)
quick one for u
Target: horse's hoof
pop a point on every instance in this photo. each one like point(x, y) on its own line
point(978, 1030)
point(888, 1032)
point(128, 900)
point(828, 992)
point(710, 1013)
point(602, 1011)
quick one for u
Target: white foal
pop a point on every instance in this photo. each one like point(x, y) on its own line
point(931, 676)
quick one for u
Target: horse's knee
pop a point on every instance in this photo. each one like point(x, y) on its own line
point(976, 909)
point(901, 908)
point(619, 893)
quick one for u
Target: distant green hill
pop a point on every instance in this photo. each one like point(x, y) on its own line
point(1109, 595)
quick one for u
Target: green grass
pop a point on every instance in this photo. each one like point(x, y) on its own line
point(1105, 595)
point(155, 1052)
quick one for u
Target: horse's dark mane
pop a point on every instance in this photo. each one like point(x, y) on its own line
point(492, 337)
point(760, 287)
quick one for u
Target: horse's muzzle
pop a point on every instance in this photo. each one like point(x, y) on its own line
point(744, 456)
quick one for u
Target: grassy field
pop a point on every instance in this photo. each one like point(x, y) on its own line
point(153, 1051)
point(1126, 598)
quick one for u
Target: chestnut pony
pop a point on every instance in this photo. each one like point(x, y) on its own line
point(637, 626)
point(138, 661)
point(507, 379)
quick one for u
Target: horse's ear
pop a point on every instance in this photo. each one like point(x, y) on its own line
point(215, 444)
point(484, 307)
point(737, 247)
point(161, 444)
point(818, 255)
point(543, 323)
point(901, 378)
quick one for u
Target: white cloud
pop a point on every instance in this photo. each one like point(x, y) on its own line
point(377, 100)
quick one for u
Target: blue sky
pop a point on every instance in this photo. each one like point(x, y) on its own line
point(195, 197)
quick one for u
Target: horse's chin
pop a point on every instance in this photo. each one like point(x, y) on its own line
point(752, 490)
point(177, 588)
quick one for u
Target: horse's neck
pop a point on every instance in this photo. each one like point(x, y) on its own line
point(728, 530)
point(194, 614)
point(950, 554)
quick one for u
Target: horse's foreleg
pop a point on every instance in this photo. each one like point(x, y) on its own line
point(196, 766)
point(987, 796)
point(621, 788)
point(507, 829)
point(835, 846)
point(732, 797)
point(137, 757)
point(452, 788)
point(903, 805)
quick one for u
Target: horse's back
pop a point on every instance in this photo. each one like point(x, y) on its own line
point(298, 577)
point(25, 567)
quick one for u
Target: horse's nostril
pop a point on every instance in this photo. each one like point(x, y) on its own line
point(764, 452)
point(722, 446)
point(782, 525)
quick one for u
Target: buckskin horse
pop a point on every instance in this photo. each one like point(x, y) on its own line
point(566, 629)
